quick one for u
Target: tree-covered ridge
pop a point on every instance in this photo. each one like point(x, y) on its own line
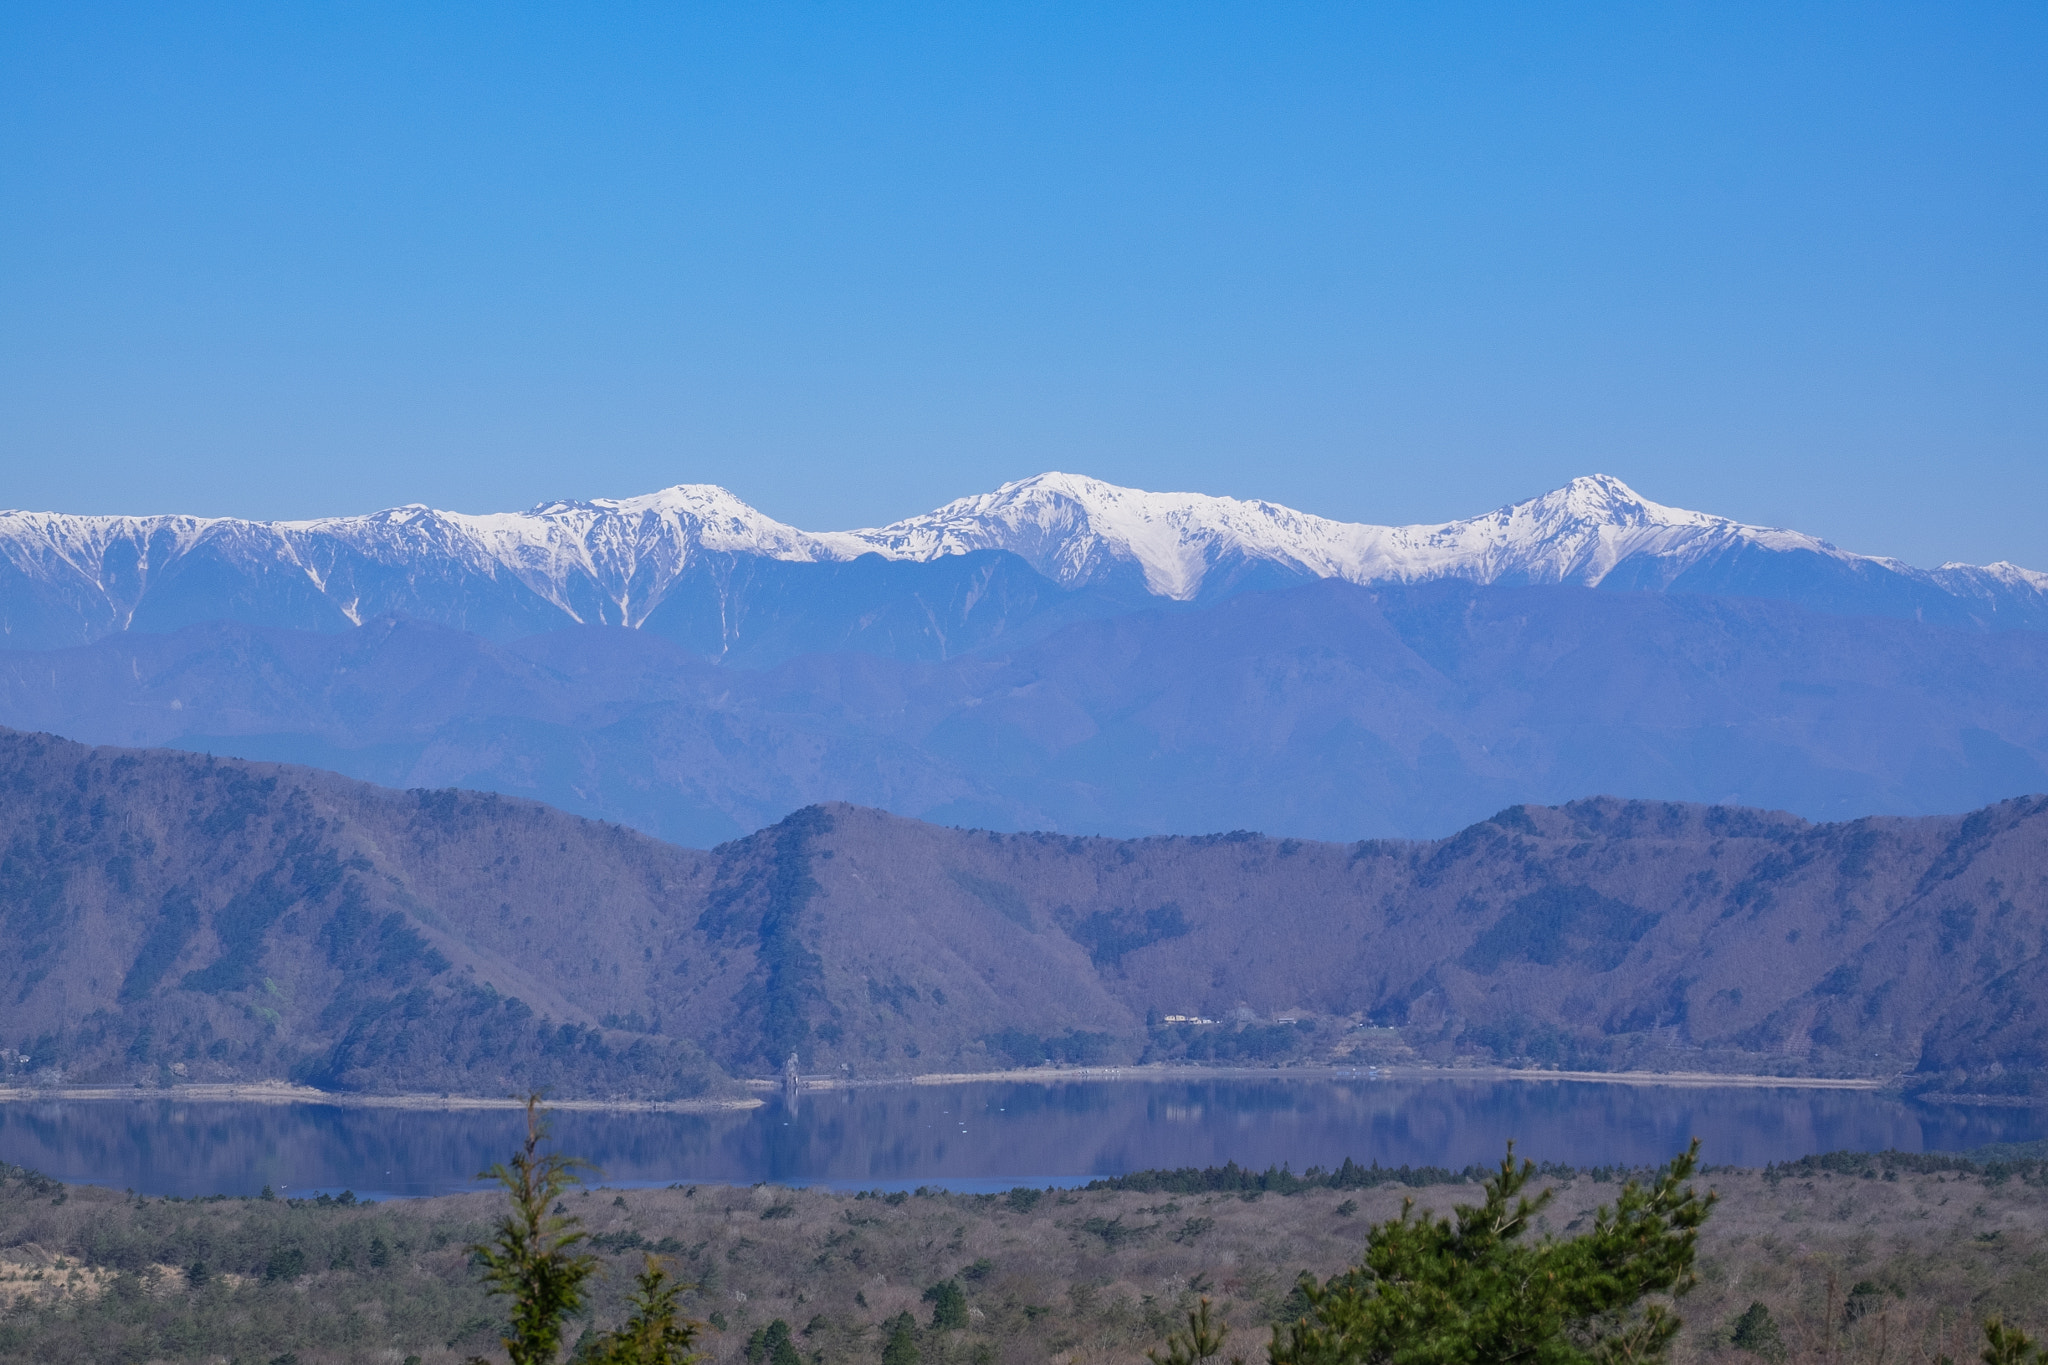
point(180, 919)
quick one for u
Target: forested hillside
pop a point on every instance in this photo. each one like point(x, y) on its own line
point(176, 918)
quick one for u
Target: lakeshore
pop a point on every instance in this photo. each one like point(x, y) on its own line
point(1042, 1126)
point(284, 1092)
point(1048, 1075)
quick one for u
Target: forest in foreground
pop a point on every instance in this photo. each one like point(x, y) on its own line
point(1841, 1258)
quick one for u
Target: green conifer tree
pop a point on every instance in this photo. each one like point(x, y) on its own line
point(1202, 1341)
point(949, 1305)
point(773, 1345)
point(656, 1333)
point(2010, 1346)
point(781, 1346)
point(902, 1345)
point(532, 1259)
point(1477, 1287)
point(1757, 1331)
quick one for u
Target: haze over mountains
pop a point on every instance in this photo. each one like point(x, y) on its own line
point(1325, 711)
point(175, 918)
point(1061, 654)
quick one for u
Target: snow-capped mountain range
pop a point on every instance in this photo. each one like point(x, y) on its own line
point(70, 579)
point(1078, 530)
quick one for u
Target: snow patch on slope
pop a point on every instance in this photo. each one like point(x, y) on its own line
point(1074, 529)
point(614, 560)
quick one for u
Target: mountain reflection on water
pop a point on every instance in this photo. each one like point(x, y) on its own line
point(981, 1136)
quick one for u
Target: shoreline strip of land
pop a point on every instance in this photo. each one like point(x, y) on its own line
point(1693, 1079)
point(283, 1092)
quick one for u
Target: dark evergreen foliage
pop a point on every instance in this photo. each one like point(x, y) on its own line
point(1076, 1047)
point(949, 1305)
point(2027, 1163)
point(1479, 1287)
point(176, 921)
point(901, 1347)
point(1757, 1332)
point(773, 1345)
point(1558, 924)
point(1232, 1178)
point(533, 1259)
point(2005, 1345)
point(1110, 935)
point(770, 901)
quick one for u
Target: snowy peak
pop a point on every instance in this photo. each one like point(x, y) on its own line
point(1078, 530)
point(627, 551)
point(609, 561)
point(69, 579)
point(693, 514)
point(1577, 534)
point(1602, 499)
point(1602, 507)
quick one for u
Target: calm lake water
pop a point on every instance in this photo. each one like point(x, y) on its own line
point(981, 1137)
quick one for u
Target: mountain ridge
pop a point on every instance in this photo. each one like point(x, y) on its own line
point(176, 918)
point(1322, 710)
point(71, 579)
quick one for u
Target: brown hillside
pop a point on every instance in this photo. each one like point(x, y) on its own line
point(1601, 934)
point(173, 917)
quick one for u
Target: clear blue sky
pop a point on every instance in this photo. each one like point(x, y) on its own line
point(1382, 262)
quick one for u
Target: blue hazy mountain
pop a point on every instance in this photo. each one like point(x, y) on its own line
point(1326, 710)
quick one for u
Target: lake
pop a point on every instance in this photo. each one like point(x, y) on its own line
point(983, 1136)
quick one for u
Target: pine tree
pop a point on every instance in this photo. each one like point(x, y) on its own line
point(533, 1259)
point(902, 1346)
point(1202, 1341)
point(1757, 1331)
point(773, 1345)
point(1476, 1287)
point(2010, 1346)
point(949, 1305)
point(656, 1333)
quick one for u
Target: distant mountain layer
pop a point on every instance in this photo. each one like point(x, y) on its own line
point(173, 917)
point(1324, 710)
point(697, 565)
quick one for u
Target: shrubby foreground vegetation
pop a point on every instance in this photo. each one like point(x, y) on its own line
point(1843, 1258)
